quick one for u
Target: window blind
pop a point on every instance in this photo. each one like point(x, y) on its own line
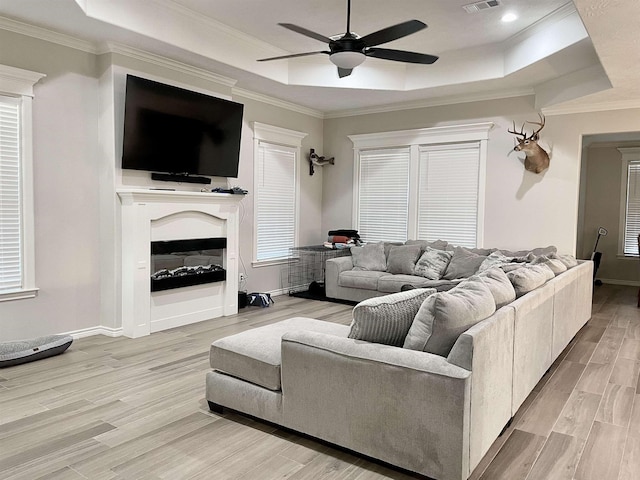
point(383, 205)
point(10, 208)
point(448, 193)
point(632, 217)
point(276, 201)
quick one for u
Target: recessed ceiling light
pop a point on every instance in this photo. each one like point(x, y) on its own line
point(509, 17)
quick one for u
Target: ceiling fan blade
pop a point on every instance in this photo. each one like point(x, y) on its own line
point(400, 55)
point(293, 55)
point(393, 33)
point(304, 31)
point(344, 72)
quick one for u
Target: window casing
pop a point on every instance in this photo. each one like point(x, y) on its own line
point(440, 170)
point(629, 202)
point(276, 195)
point(17, 270)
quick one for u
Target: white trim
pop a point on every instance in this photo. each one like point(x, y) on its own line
point(540, 26)
point(628, 154)
point(423, 136)
point(591, 108)
point(168, 63)
point(47, 35)
point(276, 102)
point(99, 330)
point(433, 102)
point(16, 81)
point(19, 294)
point(282, 136)
point(613, 281)
point(269, 263)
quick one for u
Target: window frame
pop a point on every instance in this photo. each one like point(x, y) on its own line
point(629, 155)
point(283, 137)
point(18, 83)
point(414, 140)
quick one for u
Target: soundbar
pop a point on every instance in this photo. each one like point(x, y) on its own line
point(183, 178)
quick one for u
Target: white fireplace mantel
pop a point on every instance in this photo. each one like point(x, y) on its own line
point(152, 215)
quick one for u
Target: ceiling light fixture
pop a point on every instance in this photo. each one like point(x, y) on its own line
point(347, 60)
point(509, 17)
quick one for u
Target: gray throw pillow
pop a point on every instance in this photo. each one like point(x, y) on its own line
point(432, 264)
point(463, 264)
point(402, 259)
point(495, 259)
point(369, 257)
point(568, 260)
point(527, 278)
point(388, 246)
point(556, 266)
point(499, 285)
point(387, 319)
point(437, 244)
point(443, 316)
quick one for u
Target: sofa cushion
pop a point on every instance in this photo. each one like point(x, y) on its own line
point(387, 319)
point(463, 264)
point(443, 316)
point(402, 259)
point(499, 285)
point(254, 355)
point(369, 257)
point(437, 244)
point(536, 251)
point(388, 246)
point(432, 264)
point(556, 266)
point(527, 278)
point(494, 259)
point(363, 279)
point(393, 283)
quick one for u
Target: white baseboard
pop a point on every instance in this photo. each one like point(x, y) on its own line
point(613, 281)
point(99, 330)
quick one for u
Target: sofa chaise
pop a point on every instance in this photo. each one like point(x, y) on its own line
point(436, 414)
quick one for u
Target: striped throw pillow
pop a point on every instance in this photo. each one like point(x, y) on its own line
point(387, 319)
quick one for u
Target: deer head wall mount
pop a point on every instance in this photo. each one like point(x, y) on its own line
point(537, 158)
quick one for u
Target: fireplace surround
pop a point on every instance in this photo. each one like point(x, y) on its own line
point(151, 221)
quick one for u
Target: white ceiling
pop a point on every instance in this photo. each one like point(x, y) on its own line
point(547, 51)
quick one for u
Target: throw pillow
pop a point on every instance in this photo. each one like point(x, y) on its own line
point(437, 244)
point(369, 257)
point(388, 246)
point(443, 316)
point(525, 279)
point(495, 259)
point(463, 264)
point(536, 251)
point(403, 259)
point(499, 285)
point(568, 260)
point(432, 263)
point(556, 266)
point(387, 319)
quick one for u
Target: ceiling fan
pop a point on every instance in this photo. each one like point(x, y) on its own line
point(349, 51)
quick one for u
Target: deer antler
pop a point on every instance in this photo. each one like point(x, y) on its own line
point(540, 123)
point(521, 133)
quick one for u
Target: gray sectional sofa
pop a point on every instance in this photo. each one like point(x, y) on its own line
point(435, 414)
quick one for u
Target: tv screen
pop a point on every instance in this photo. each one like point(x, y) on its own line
point(172, 130)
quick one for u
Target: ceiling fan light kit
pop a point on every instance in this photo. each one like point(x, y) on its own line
point(348, 51)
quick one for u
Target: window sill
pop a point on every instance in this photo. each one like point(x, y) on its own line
point(269, 263)
point(19, 294)
point(622, 256)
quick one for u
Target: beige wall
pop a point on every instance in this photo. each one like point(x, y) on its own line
point(521, 209)
point(603, 192)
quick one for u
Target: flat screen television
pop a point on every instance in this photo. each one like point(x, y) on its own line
point(172, 130)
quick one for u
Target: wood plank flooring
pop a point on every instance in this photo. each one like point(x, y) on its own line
point(119, 408)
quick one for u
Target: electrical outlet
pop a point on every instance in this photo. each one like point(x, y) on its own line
point(242, 277)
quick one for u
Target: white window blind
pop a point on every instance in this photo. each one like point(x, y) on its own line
point(632, 216)
point(10, 208)
point(276, 201)
point(448, 193)
point(383, 203)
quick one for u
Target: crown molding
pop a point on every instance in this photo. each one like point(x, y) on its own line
point(259, 97)
point(17, 81)
point(591, 108)
point(165, 62)
point(434, 102)
point(47, 35)
point(537, 27)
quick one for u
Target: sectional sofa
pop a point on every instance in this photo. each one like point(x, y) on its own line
point(432, 413)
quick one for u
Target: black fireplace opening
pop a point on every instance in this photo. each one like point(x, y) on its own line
point(183, 263)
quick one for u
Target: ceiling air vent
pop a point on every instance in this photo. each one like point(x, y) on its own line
point(477, 6)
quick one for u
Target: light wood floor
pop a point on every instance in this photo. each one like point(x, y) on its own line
point(117, 408)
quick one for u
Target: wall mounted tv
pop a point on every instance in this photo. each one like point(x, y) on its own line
point(179, 132)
